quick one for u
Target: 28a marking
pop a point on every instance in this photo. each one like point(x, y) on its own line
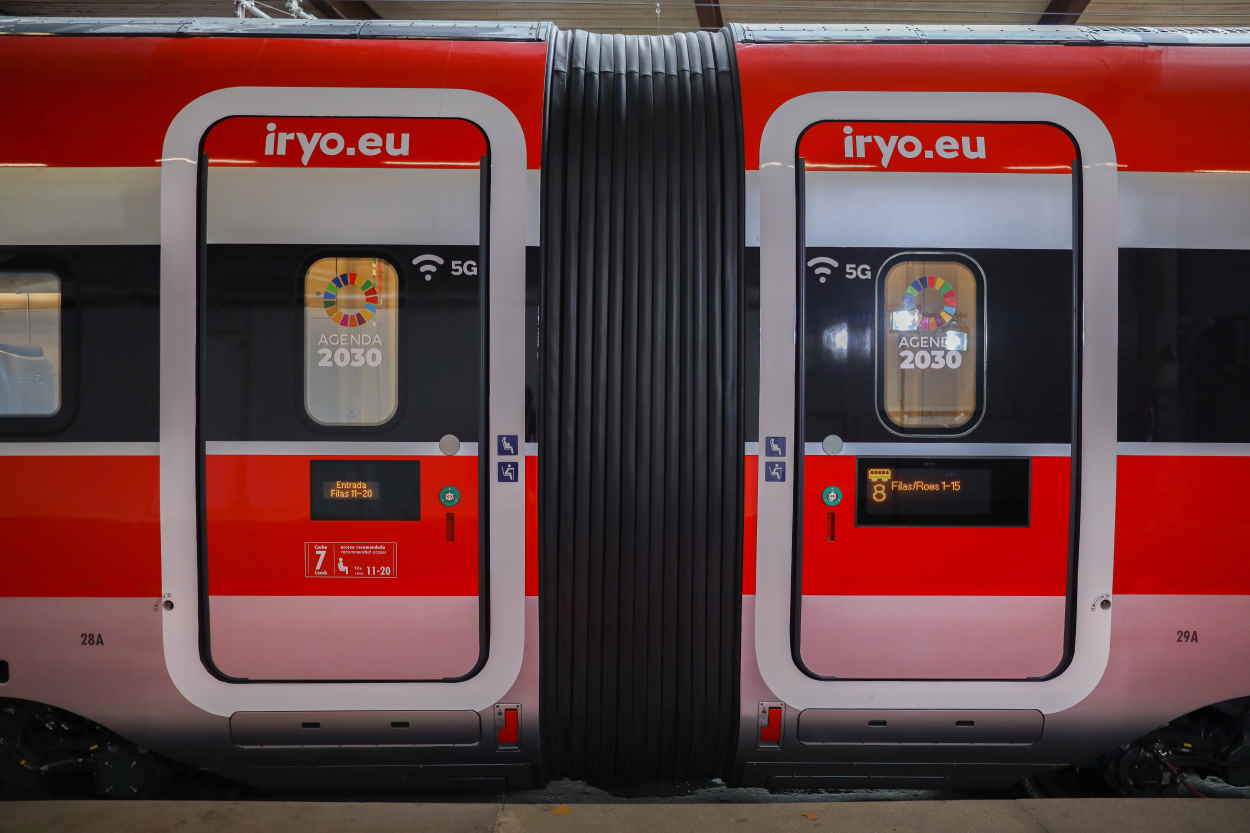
point(91, 640)
point(1187, 636)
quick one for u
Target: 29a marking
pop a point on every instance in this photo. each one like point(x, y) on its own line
point(91, 640)
point(1186, 636)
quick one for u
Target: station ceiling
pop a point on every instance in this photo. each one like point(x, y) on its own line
point(642, 16)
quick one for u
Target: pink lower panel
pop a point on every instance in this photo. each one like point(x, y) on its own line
point(944, 637)
point(344, 637)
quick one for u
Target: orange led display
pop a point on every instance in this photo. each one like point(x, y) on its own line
point(351, 490)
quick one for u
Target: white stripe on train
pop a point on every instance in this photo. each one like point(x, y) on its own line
point(121, 206)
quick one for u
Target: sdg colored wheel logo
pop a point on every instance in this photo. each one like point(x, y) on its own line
point(346, 284)
point(950, 302)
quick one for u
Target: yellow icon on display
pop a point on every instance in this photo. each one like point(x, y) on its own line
point(878, 477)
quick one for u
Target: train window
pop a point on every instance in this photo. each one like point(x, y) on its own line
point(1184, 346)
point(351, 331)
point(30, 344)
point(929, 353)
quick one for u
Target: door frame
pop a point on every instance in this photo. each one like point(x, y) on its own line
point(179, 498)
point(778, 321)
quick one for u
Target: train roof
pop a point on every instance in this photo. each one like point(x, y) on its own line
point(269, 28)
point(908, 33)
point(751, 33)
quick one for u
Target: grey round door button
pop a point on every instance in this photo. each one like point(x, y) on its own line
point(832, 444)
point(449, 444)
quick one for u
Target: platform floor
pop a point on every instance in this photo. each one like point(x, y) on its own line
point(1087, 815)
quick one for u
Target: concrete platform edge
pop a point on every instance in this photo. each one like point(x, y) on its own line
point(1173, 815)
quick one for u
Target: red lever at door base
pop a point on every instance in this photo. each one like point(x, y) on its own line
point(770, 727)
point(509, 733)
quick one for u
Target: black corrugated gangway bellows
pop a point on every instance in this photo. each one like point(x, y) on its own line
point(641, 431)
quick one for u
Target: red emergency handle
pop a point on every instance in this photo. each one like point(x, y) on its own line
point(770, 727)
point(509, 733)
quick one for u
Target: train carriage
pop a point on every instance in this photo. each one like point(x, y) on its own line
point(888, 385)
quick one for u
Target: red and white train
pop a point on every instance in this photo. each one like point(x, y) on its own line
point(400, 404)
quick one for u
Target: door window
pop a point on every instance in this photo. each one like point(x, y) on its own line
point(930, 354)
point(351, 341)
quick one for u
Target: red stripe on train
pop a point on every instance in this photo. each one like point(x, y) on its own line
point(750, 512)
point(1187, 111)
point(89, 526)
point(320, 142)
point(81, 526)
point(1182, 526)
point(934, 561)
point(108, 101)
point(944, 147)
point(258, 529)
point(531, 526)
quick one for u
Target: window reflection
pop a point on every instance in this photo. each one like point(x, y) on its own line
point(930, 355)
point(1184, 346)
point(30, 344)
point(351, 349)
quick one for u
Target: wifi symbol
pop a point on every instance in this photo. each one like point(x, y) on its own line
point(427, 264)
point(822, 267)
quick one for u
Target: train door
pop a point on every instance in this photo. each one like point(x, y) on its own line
point(343, 398)
point(358, 398)
point(927, 460)
point(935, 399)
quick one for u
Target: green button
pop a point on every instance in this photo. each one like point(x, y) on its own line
point(449, 495)
point(832, 496)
